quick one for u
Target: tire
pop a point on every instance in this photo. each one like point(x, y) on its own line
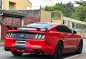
point(80, 47)
point(17, 53)
point(59, 51)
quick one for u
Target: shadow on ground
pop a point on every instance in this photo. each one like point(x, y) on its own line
point(27, 56)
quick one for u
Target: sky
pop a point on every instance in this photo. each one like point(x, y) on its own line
point(49, 2)
point(37, 3)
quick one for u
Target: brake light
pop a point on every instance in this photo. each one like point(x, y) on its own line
point(40, 36)
point(25, 35)
point(10, 35)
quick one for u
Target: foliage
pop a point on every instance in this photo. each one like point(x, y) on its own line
point(82, 13)
point(69, 10)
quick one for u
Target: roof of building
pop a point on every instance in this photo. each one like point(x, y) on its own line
point(11, 13)
point(73, 20)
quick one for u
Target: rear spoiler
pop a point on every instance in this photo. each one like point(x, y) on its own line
point(32, 28)
point(46, 29)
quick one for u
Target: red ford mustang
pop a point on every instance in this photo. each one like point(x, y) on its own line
point(43, 38)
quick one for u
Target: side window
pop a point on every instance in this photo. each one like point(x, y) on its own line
point(63, 28)
point(60, 29)
point(67, 30)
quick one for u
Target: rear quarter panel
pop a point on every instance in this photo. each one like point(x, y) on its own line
point(52, 39)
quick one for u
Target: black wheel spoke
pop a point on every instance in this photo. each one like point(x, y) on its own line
point(59, 51)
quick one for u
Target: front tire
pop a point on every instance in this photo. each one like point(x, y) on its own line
point(58, 51)
point(17, 53)
point(80, 47)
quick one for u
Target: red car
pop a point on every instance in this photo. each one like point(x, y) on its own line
point(43, 38)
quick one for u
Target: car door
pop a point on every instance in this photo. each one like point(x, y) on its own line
point(70, 38)
point(76, 39)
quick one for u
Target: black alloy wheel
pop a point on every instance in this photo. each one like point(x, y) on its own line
point(59, 51)
point(79, 51)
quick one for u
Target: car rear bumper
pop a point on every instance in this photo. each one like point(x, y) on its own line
point(31, 49)
point(28, 46)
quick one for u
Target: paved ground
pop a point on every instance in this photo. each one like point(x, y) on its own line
point(8, 55)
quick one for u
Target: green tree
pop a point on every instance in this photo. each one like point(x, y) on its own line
point(69, 10)
point(82, 13)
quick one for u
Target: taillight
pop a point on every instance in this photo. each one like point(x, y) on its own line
point(25, 35)
point(43, 37)
point(40, 36)
point(10, 35)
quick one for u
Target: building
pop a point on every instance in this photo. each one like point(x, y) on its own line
point(9, 20)
point(35, 15)
point(15, 4)
point(15, 19)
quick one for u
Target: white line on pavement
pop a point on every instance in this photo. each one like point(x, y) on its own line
point(75, 56)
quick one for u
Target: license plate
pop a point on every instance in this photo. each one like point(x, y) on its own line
point(20, 42)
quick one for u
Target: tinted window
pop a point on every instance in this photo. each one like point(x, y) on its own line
point(63, 28)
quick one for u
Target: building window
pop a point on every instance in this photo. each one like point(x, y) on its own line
point(12, 5)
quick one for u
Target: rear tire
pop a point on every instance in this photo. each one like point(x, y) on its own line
point(59, 51)
point(80, 47)
point(17, 53)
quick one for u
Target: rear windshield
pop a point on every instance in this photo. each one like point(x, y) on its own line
point(40, 25)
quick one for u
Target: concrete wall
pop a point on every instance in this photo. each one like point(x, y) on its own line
point(57, 21)
point(20, 4)
point(45, 16)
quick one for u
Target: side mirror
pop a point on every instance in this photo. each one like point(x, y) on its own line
point(74, 32)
